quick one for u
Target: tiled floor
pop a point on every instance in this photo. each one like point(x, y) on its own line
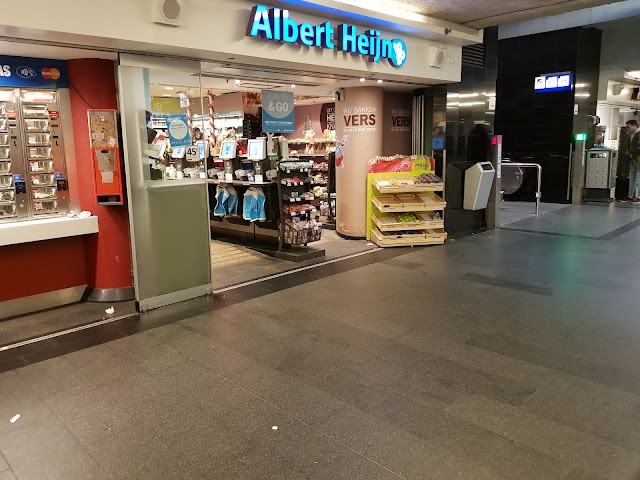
point(235, 264)
point(57, 319)
point(502, 356)
point(596, 221)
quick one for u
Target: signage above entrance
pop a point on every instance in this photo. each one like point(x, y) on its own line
point(553, 83)
point(33, 72)
point(274, 24)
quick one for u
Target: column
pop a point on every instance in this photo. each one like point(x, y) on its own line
point(358, 121)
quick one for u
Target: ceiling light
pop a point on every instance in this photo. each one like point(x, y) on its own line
point(166, 94)
point(236, 81)
point(362, 79)
point(168, 88)
point(334, 99)
point(293, 85)
point(379, 80)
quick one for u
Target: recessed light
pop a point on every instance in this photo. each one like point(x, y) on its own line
point(362, 79)
point(166, 94)
point(379, 80)
point(236, 81)
point(168, 88)
point(293, 85)
point(334, 99)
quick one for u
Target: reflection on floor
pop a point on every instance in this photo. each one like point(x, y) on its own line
point(57, 319)
point(234, 264)
point(597, 221)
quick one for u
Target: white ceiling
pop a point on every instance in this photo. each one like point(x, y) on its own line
point(475, 13)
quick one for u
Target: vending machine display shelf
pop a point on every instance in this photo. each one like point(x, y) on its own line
point(409, 203)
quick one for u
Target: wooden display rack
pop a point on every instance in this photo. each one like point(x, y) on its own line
point(392, 190)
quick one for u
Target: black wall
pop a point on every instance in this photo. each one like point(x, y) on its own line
point(467, 131)
point(540, 127)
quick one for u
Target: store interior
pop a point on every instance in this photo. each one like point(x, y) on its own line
point(224, 103)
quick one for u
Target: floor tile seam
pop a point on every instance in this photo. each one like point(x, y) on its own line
point(556, 424)
point(311, 427)
point(582, 357)
point(565, 372)
point(595, 435)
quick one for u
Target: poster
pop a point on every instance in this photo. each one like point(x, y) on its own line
point(328, 116)
point(179, 134)
point(277, 112)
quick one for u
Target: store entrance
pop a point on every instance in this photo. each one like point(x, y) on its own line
point(295, 224)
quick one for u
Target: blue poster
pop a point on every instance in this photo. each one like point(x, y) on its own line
point(179, 134)
point(33, 72)
point(277, 112)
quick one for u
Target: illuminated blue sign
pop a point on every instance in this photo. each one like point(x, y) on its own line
point(553, 83)
point(275, 24)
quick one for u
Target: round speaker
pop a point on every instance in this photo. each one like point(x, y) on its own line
point(169, 11)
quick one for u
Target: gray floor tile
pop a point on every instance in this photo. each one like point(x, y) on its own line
point(169, 332)
point(590, 453)
point(18, 399)
point(3, 464)
point(620, 377)
point(147, 352)
point(215, 356)
point(8, 475)
point(48, 450)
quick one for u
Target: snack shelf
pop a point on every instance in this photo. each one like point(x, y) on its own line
point(414, 238)
point(391, 223)
point(393, 185)
point(409, 203)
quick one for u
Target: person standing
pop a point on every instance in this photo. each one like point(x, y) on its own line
point(634, 162)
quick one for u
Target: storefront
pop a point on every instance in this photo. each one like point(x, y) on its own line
point(360, 69)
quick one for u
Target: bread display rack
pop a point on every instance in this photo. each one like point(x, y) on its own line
point(404, 202)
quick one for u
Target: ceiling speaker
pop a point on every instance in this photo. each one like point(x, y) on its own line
point(168, 12)
point(438, 57)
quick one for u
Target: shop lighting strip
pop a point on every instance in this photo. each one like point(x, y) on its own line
point(66, 332)
point(301, 269)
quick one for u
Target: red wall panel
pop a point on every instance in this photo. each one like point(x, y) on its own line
point(40, 267)
point(108, 256)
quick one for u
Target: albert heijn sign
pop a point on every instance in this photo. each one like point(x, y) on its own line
point(274, 24)
point(33, 72)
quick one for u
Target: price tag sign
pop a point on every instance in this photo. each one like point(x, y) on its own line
point(259, 179)
point(193, 153)
point(228, 177)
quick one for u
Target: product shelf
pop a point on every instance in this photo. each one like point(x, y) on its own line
point(391, 223)
point(401, 185)
point(409, 203)
point(409, 239)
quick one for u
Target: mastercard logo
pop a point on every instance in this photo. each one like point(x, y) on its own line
point(50, 73)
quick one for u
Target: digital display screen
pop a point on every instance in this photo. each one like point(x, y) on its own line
point(553, 83)
point(178, 152)
point(256, 150)
point(202, 148)
point(437, 143)
point(228, 149)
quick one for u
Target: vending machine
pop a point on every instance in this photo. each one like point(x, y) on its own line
point(33, 176)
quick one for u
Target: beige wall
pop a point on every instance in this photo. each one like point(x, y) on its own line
point(354, 117)
point(396, 129)
point(213, 30)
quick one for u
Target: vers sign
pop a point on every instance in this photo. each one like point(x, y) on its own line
point(274, 24)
